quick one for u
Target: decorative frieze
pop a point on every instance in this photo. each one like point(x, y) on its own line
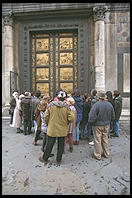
point(99, 12)
point(8, 19)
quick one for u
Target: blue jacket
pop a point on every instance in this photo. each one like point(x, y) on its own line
point(79, 107)
point(101, 113)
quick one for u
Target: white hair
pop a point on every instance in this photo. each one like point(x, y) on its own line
point(15, 93)
point(21, 96)
point(71, 100)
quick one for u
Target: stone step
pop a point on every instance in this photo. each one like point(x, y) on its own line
point(125, 112)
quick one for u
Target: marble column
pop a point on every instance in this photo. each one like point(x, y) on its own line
point(99, 47)
point(7, 56)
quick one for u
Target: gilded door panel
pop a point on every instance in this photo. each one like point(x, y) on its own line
point(43, 87)
point(66, 58)
point(42, 44)
point(66, 43)
point(54, 62)
point(42, 59)
point(42, 74)
point(66, 73)
point(68, 87)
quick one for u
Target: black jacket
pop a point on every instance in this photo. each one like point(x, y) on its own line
point(12, 106)
point(26, 105)
point(118, 107)
point(86, 110)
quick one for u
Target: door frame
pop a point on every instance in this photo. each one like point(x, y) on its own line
point(75, 23)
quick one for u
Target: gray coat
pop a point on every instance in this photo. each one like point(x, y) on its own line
point(101, 113)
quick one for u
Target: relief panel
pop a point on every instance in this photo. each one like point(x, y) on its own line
point(42, 44)
point(42, 59)
point(43, 87)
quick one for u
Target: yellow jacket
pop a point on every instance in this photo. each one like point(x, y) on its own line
point(57, 116)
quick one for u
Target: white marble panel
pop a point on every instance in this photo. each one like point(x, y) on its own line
point(126, 72)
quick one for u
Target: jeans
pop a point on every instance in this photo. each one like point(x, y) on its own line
point(11, 119)
point(90, 132)
point(110, 128)
point(75, 134)
point(116, 127)
point(49, 147)
point(35, 126)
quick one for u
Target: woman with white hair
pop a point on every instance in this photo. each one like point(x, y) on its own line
point(17, 118)
point(12, 106)
point(70, 101)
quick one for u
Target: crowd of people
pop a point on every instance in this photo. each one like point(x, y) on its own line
point(68, 118)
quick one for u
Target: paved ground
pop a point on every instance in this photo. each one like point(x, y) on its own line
point(79, 174)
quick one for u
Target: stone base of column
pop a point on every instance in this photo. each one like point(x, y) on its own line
point(5, 111)
point(99, 78)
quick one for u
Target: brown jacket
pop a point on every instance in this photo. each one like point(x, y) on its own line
point(40, 107)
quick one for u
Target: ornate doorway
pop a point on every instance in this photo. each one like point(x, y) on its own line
point(54, 61)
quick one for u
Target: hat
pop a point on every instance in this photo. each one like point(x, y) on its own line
point(101, 94)
point(116, 93)
point(61, 94)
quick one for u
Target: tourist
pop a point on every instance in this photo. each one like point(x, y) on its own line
point(57, 116)
point(109, 98)
point(40, 107)
point(35, 101)
point(12, 106)
point(118, 109)
point(84, 121)
point(100, 115)
point(93, 100)
point(71, 127)
point(79, 108)
point(17, 118)
point(26, 110)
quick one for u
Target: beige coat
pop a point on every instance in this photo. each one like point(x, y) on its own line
point(17, 119)
point(58, 116)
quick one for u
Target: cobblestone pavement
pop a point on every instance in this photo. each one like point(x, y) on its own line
point(79, 174)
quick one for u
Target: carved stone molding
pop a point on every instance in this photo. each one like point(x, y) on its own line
point(8, 19)
point(99, 12)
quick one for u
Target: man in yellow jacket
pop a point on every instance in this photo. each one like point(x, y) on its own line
point(57, 117)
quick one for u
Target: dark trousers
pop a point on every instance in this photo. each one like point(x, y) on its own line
point(37, 135)
point(11, 119)
point(49, 147)
point(83, 128)
point(45, 140)
point(27, 126)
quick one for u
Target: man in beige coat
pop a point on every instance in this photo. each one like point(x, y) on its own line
point(57, 117)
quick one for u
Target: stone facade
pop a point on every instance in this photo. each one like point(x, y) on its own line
point(103, 43)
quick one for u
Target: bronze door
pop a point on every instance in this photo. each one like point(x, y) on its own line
point(54, 62)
